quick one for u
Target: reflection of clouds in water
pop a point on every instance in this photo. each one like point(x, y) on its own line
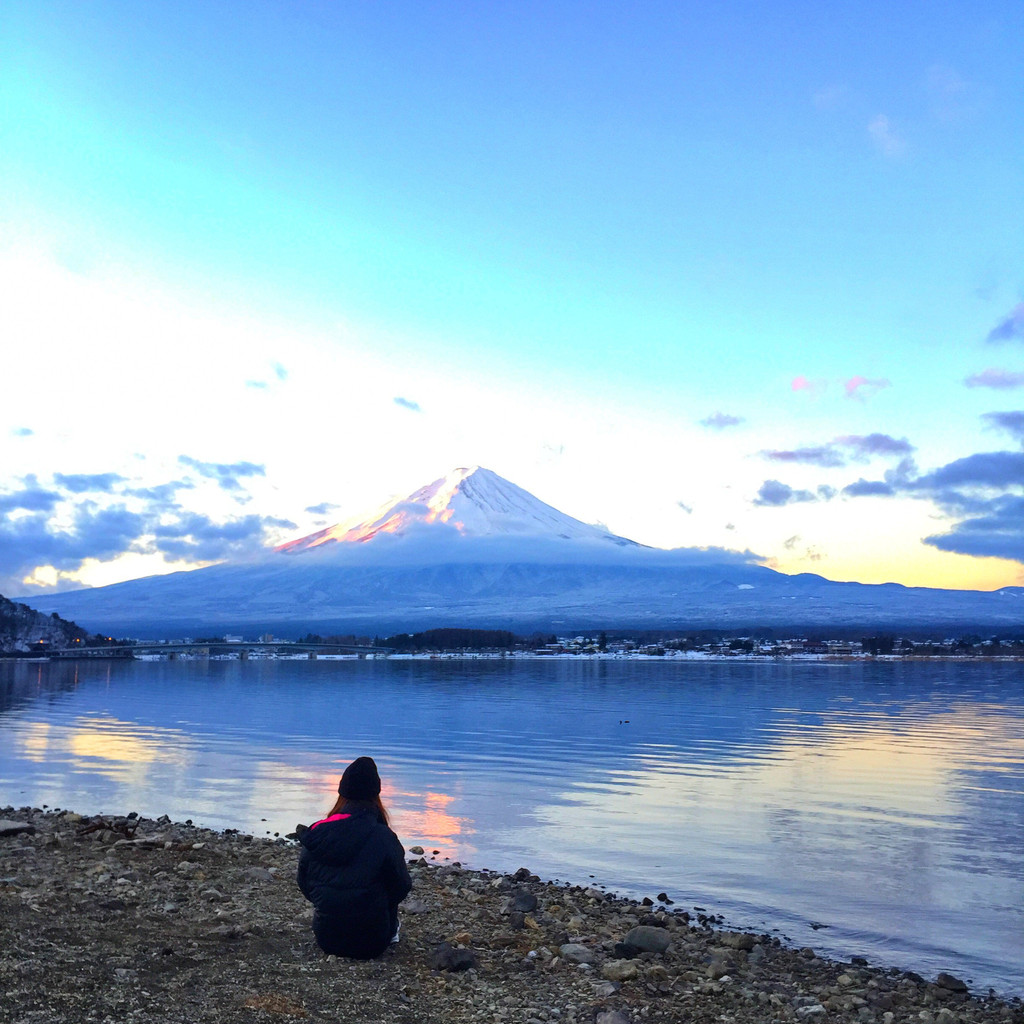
point(263, 792)
point(274, 793)
point(123, 743)
point(157, 768)
point(905, 769)
point(104, 745)
point(869, 802)
point(887, 803)
point(33, 743)
point(910, 770)
point(915, 768)
point(427, 819)
point(99, 762)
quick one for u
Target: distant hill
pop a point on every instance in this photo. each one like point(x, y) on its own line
point(21, 628)
point(474, 550)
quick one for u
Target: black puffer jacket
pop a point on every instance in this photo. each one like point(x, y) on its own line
point(352, 869)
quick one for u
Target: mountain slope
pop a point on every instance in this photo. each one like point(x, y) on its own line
point(473, 549)
point(22, 628)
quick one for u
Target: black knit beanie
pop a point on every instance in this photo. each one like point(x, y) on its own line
point(360, 781)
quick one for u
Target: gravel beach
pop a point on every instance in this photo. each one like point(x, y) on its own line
point(121, 919)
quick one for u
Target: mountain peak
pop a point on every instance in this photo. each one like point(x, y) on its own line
point(472, 500)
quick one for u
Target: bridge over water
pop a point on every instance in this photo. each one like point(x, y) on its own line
point(210, 648)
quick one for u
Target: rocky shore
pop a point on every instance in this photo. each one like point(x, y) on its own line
point(116, 919)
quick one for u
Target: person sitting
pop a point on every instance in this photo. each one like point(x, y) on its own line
point(352, 869)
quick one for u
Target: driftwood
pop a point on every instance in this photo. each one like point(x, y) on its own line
point(122, 826)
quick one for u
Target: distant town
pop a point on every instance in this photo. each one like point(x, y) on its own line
point(490, 644)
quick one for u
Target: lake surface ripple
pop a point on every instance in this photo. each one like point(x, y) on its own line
point(863, 809)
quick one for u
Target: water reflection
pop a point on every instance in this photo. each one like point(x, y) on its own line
point(884, 801)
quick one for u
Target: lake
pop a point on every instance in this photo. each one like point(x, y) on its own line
point(872, 809)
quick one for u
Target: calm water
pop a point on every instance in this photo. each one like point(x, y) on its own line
point(884, 802)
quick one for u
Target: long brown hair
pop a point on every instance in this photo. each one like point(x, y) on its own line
point(343, 803)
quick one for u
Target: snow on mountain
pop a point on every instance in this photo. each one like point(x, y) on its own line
point(474, 502)
point(473, 549)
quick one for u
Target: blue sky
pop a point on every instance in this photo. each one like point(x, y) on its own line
point(746, 276)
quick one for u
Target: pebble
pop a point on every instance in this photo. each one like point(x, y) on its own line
point(447, 958)
point(575, 953)
point(647, 939)
point(524, 901)
point(611, 1017)
point(739, 940)
point(15, 828)
point(258, 874)
point(620, 970)
point(809, 1012)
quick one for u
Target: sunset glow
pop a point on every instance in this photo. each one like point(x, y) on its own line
point(712, 277)
point(428, 819)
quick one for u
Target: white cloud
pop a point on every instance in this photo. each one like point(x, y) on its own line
point(883, 134)
point(831, 97)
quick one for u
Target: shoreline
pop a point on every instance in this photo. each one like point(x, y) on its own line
point(758, 659)
point(103, 918)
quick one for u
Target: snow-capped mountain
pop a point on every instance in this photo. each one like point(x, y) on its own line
point(473, 549)
point(473, 502)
